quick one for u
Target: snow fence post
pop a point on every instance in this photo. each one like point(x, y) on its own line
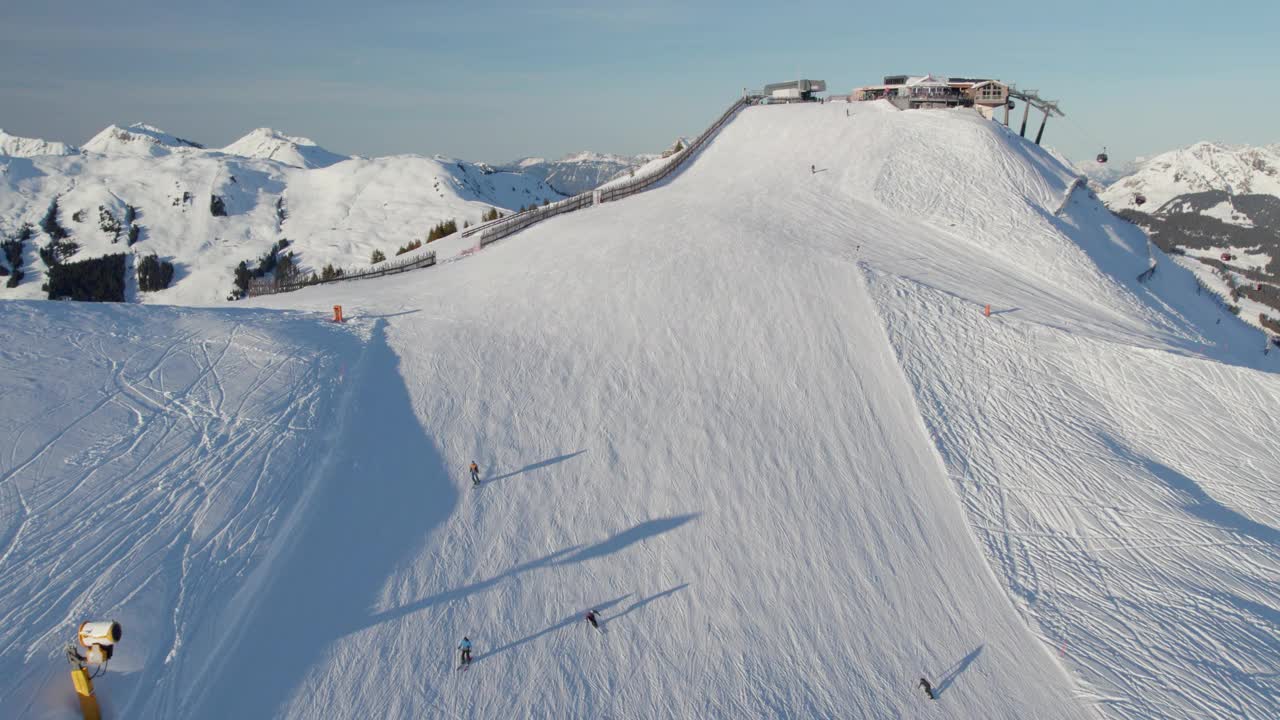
point(596, 197)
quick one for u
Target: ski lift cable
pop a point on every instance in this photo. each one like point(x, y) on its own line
point(1092, 139)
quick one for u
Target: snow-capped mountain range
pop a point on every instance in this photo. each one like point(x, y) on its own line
point(579, 172)
point(206, 210)
point(1239, 170)
point(1217, 208)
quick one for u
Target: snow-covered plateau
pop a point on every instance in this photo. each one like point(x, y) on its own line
point(852, 399)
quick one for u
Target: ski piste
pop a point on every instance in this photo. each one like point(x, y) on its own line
point(720, 415)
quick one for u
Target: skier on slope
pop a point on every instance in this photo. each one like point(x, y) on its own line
point(593, 617)
point(465, 648)
point(928, 689)
point(475, 473)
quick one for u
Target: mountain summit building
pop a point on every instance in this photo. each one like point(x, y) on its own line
point(929, 91)
point(794, 91)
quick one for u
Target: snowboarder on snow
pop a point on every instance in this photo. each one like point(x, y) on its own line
point(928, 689)
point(465, 648)
point(593, 617)
point(475, 473)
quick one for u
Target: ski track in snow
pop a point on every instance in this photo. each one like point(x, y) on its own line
point(1142, 545)
point(755, 416)
point(165, 456)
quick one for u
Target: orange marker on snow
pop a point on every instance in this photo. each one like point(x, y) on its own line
point(987, 311)
point(337, 313)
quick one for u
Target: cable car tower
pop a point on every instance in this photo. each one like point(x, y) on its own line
point(1031, 98)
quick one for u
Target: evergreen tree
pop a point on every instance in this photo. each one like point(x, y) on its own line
point(154, 274)
point(13, 249)
point(443, 229)
point(50, 223)
point(242, 277)
point(286, 269)
point(97, 279)
point(411, 246)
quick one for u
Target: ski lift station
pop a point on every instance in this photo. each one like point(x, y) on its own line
point(987, 96)
point(911, 92)
point(794, 91)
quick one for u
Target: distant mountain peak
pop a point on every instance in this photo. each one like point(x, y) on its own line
point(270, 144)
point(137, 138)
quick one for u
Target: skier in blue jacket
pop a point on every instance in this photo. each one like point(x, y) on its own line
point(465, 647)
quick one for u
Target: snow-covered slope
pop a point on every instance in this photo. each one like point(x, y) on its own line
point(14, 146)
point(579, 172)
point(337, 214)
point(268, 144)
point(1200, 167)
point(152, 456)
point(757, 418)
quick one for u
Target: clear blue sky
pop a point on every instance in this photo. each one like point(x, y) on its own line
point(495, 81)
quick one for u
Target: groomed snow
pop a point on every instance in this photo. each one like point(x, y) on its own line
point(756, 415)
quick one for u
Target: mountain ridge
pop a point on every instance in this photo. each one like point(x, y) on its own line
point(578, 172)
point(16, 146)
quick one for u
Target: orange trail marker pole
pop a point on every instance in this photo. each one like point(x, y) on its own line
point(987, 311)
point(337, 313)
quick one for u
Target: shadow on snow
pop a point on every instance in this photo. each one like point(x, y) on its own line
point(1196, 501)
point(370, 508)
point(574, 617)
point(535, 466)
point(955, 671)
point(567, 556)
point(645, 601)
